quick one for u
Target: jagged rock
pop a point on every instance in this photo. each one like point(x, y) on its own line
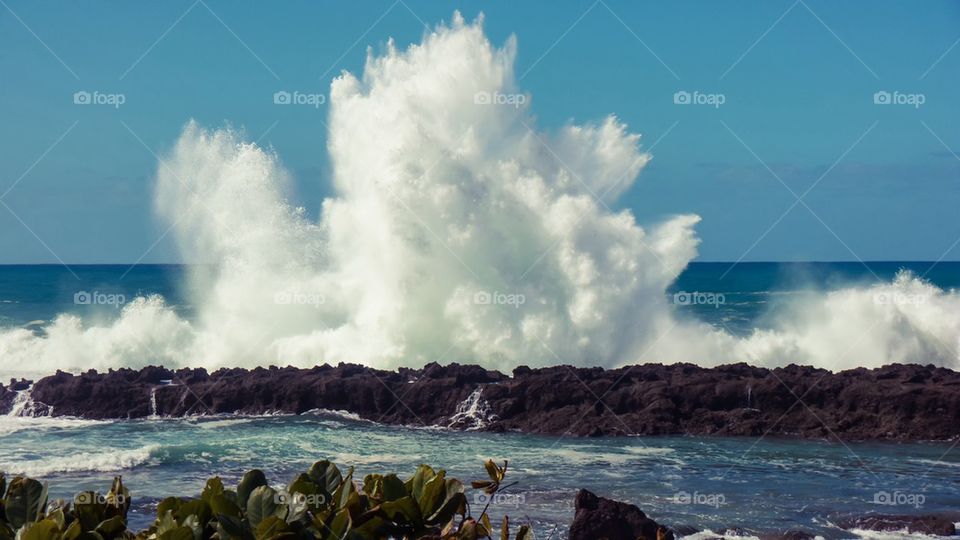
point(895, 402)
point(598, 517)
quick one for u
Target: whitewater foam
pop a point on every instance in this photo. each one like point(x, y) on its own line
point(473, 413)
point(444, 205)
point(112, 460)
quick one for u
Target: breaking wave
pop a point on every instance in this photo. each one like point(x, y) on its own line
point(458, 231)
point(114, 460)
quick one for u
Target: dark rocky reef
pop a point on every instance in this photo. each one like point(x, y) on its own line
point(598, 517)
point(601, 518)
point(895, 402)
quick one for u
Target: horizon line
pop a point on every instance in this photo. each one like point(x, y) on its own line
point(734, 263)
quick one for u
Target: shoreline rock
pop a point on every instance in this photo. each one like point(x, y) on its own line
point(599, 517)
point(895, 402)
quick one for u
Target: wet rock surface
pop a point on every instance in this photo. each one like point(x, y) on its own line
point(895, 402)
point(598, 517)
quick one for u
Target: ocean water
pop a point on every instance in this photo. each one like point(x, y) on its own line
point(763, 485)
point(751, 291)
point(760, 486)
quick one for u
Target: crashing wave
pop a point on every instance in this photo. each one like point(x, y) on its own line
point(472, 413)
point(24, 406)
point(455, 229)
point(114, 460)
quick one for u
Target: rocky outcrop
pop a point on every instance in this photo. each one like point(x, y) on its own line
point(895, 402)
point(598, 517)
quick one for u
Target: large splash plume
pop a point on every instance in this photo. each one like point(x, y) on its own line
point(457, 232)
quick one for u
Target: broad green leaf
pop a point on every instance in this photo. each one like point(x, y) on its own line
point(261, 505)
point(170, 503)
point(415, 484)
point(372, 485)
point(232, 528)
point(179, 533)
point(432, 494)
point(45, 529)
point(73, 531)
point(112, 527)
point(468, 530)
point(457, 504)
point(340, 526)
point(250, 481)
point(492, 471)
point(271, 526)
point(195, 507)
point(393, 488)
point(402, 511)
point(214, 487)
point(58, 516)
point(220, 505)
point(326, 475)
point(25, 501)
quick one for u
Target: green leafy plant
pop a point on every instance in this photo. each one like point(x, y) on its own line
point(321, 504)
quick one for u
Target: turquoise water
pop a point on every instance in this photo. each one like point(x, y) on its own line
point(765, 485)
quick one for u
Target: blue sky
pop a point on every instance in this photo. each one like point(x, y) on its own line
point(798, 81)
